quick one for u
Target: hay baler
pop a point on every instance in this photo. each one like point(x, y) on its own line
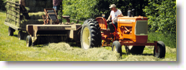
point(52, 27)
point(42, 28)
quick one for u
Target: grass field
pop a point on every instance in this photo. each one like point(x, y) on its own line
point(12, 49)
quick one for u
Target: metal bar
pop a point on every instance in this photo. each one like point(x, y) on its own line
point(15, 11)
point(139, 44)
point(12, 15)
point(15, 7)
point(51, 35)
point(11, 25)
point(12, 19)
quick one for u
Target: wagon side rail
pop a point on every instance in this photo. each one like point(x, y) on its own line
point(15, 7)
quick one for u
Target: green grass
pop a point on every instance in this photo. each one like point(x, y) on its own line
point(12, 49)
point(168, 39)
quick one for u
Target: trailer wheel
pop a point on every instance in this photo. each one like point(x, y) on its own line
point(116, 47)
point(10, 31)
point(28, 41)
point(160, 53)
point(136, 49)
point(90, 34)
point(20, 35)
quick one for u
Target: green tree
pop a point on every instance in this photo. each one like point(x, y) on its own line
point(79, 9)
point(161, 15)
point(83, 9)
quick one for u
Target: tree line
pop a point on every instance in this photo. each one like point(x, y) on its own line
point(161, 13)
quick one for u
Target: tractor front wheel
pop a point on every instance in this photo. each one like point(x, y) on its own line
point(116, 47)
point(160, 52)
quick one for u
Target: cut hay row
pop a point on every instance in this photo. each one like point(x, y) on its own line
point(100, 54)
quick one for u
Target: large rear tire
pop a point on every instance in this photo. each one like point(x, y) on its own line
point(116, 47)
point(160, 53)
point(90, 34)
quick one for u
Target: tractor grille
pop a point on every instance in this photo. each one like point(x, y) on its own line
point(141, 27)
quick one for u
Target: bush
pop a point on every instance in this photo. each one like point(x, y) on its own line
point(168, 39)
point(162, 16)
point(84, 9)
point(162, 20)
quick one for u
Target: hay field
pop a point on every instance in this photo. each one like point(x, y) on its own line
point(13, 49)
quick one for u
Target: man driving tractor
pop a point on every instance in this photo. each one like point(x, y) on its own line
point(114, 14)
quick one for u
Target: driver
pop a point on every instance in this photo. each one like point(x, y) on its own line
point(114, 14)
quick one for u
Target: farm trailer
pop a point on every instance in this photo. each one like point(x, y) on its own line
point(40, 27)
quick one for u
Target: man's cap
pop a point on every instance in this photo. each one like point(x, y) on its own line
point(112, 6)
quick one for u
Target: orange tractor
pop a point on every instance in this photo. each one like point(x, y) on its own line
point(130, 31)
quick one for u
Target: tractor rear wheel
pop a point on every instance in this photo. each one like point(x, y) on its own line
point(116, 47)
point(160, 53)
point(90, 34)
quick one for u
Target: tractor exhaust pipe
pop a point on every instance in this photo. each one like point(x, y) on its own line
point(130, 13)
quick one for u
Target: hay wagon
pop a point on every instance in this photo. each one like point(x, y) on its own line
point(43, 24)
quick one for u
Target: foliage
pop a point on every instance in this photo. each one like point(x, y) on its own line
point(162, 20)
point(79, 9)
point(168, 39)
point(83, 9)
point(161, 15)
